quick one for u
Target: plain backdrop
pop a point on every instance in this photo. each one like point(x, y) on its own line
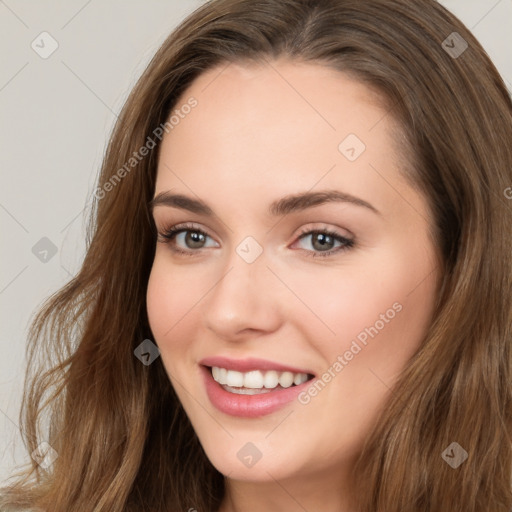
point(57, 112)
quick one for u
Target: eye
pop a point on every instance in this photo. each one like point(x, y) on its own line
point(188, 240)
point(324, 242)
point(191, 239)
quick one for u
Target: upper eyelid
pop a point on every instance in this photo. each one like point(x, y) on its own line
point(189, 226)
point(186, 226)
point(196, 226)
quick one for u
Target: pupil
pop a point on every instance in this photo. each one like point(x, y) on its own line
point(195, 238)
point(323, 239)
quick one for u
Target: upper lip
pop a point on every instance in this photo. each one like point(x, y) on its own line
point(249, 364)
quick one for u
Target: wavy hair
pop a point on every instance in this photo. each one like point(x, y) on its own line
point(124, 442)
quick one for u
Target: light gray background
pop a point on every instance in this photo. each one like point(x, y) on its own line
point(56, 116)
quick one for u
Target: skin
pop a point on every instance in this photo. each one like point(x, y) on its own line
point(258, 133)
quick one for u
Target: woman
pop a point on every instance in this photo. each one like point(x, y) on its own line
point(297, 289)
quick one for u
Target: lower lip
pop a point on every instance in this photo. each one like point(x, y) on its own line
point(249, 406)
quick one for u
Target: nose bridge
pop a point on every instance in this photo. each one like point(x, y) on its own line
point(242, 297)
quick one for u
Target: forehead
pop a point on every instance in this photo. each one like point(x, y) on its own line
point(272, 129)
point(287, 99)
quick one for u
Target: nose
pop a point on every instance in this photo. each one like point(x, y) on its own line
point(245, 298)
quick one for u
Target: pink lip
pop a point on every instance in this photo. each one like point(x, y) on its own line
point(246, 365)
point(249, 406)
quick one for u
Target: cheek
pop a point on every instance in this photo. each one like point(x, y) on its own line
point(339, 302)
point(170, 298)
point(382, 301)
point(159, 300)
point(170, 307)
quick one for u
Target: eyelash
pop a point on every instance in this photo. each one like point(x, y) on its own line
point(168, 235)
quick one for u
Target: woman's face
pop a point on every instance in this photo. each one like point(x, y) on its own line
point(268, 155)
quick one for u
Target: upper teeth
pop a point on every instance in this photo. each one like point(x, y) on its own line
point(257, 379)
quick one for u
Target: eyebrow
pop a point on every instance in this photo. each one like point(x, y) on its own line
point(284, 206)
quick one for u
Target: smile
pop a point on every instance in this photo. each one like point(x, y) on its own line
point(252, 388)
point(256, 381)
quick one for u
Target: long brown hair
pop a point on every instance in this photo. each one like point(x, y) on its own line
point(122, 438)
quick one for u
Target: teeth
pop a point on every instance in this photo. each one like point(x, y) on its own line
point(271, 379)
point(247, 391)
point(300, 378)
point(235, 379)
point(257, 379)
point(286, 379)
point(253, 380)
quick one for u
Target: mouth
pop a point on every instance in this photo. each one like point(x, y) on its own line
point(249, 390)
point(257, 382)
